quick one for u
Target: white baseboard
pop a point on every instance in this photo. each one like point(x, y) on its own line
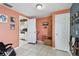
point(53, 48)
point(62, 50)
point(40, 42)
point(70, 53)
point(16, 47)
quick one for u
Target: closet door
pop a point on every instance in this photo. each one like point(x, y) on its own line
point(32, 30)
point(62, 31)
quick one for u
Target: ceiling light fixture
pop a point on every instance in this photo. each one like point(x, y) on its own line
point(39, 6)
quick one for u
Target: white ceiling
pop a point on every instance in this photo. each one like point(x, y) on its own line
point(29, 9)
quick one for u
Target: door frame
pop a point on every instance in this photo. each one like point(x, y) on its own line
point(63, 11)
point(19, 26)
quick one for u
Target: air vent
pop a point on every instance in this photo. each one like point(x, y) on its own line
point(8, 5)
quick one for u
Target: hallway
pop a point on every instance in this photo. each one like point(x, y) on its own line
point(39, 50)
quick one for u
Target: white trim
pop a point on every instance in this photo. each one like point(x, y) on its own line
point(40, 42)
point(70, 53)
point(62, 50)
point(53, 48)
point(16, 48)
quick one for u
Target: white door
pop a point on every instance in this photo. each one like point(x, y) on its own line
point(32, 30)
point(62, 31)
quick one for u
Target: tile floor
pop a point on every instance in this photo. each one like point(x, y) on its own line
point(39, 50)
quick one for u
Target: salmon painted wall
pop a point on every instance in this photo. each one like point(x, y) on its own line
point(41, 31)
point(7, 35)
point(53, 22)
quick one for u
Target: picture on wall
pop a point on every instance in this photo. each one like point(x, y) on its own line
point(3, 18)
point(12, 23)
point(45, 24)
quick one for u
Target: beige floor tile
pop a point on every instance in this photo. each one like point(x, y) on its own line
point(39, 50)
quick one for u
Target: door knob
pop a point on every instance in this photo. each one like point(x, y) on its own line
point(56, 33)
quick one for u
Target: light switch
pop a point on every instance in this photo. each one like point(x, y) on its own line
point(76, 32)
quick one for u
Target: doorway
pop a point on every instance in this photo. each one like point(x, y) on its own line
point(23, 28)
point(44, 30)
